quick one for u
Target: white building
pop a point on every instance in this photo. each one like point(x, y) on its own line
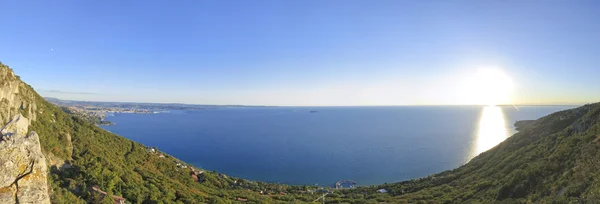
point(382, 191)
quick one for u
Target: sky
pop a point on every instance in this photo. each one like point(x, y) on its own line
point(305, 52)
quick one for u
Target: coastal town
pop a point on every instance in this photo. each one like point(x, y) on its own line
point(97, 112)
point(98, 115)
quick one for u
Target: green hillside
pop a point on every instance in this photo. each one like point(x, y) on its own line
point(553, 159)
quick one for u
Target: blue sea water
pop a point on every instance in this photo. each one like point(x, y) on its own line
point(296, 145)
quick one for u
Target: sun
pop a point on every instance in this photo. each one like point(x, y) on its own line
point(490, 86)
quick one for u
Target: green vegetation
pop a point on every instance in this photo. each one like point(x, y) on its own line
point(520, 125)
point(551, 160)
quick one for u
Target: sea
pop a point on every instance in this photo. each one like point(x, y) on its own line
point(322, 145)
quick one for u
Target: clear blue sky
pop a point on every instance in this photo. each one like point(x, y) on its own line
point(304, 52)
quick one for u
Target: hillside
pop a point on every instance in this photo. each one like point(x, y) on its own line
point(553, 158)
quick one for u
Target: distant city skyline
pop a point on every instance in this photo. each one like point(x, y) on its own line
point(306, 53)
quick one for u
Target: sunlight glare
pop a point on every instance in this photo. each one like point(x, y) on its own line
point(492, 129)
point(491, 86)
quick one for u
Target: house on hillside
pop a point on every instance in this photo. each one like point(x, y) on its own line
point(382, 191)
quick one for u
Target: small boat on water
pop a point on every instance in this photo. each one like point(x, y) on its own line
point(313, 111)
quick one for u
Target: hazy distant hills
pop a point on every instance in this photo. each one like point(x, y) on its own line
point(138, 105)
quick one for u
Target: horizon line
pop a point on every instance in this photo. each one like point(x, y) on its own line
point(390, 105)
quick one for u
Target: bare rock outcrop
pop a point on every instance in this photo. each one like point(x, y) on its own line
point(15, 96)
point(23, 168)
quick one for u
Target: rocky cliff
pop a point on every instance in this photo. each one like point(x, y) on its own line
point(15, 96)
point(23, 167)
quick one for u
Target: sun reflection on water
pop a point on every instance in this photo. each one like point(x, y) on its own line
point(492, 129)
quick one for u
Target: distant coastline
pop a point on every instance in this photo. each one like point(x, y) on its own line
point(97, 112)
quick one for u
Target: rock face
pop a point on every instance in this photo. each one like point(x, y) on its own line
point(23, 167)
point(15, 96)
